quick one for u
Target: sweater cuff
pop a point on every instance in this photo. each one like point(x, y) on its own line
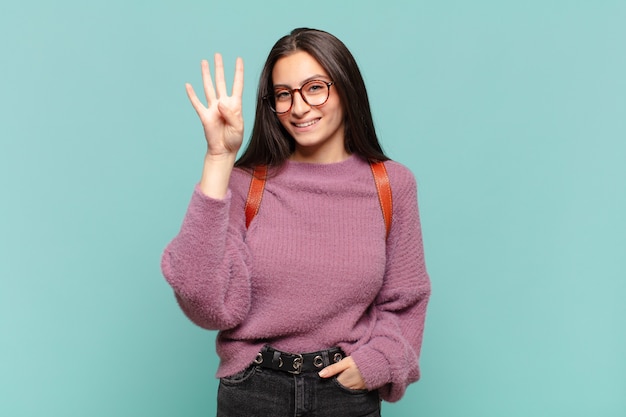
point(198, 194)
point(374, 367)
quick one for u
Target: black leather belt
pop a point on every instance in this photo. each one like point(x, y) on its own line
point(297, 363)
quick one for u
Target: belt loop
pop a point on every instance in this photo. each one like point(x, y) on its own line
point(326, 358)
point(277, 360)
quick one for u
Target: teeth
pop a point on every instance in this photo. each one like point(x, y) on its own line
point(312, 122)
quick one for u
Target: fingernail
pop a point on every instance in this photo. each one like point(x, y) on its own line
point(322, 372)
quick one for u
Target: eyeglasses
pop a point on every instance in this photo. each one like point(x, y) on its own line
point(314, 93)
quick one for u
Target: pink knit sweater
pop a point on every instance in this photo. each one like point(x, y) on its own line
point(313, 271)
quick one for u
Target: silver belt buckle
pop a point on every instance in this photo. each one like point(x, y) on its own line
point(297, 365)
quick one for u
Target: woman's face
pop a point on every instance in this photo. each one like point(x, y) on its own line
point(317, 130)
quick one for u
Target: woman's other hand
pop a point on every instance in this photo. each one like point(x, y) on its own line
point(347, 372)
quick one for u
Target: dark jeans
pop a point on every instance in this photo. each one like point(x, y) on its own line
point(262, 392)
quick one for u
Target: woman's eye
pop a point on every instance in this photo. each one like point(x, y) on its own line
point(316, 87)
point(282, 96)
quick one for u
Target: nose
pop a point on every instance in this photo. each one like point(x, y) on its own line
point(299, 106)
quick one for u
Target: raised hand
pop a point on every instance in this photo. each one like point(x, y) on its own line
point(222, 117)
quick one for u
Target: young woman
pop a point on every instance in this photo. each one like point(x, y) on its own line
point(320, 309)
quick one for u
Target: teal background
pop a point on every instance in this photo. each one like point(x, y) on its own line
point(511, 114)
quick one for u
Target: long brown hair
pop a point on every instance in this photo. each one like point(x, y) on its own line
point(270, 144)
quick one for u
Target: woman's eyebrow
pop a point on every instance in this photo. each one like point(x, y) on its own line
point(311, 78)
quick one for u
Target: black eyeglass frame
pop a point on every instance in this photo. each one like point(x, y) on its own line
point(292, 91)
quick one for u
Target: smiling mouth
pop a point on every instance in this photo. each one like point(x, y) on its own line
point(306, 124)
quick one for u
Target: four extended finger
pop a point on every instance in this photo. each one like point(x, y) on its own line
point(238, 81)
point(220, 81)
point(195, 101)
point(209, 91)
point(214, 91)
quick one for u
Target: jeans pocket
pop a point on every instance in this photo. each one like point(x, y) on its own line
point(348, 390)
point(240, 377)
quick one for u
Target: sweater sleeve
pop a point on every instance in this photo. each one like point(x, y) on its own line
point(206, 263)
point(389, 360)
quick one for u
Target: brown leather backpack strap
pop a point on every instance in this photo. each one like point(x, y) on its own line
point(383, 187)
point(255, 193)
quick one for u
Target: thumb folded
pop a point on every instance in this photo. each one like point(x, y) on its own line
point(231, 117)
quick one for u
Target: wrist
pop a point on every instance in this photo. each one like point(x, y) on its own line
point(227, 158)
point(216, 174)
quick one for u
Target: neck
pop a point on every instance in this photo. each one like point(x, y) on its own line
point(319, 156)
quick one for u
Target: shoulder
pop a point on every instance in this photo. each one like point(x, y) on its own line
point(240, 182)
point(240, 175)
point(400, 177)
